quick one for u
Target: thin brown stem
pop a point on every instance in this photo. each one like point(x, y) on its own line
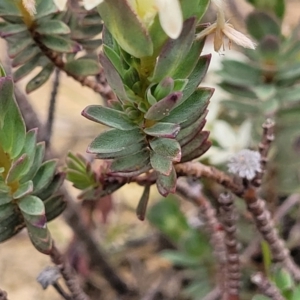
point(57, 60)
point(208, 215)
point(263, 148)
point(67, 274)
point(266, 227)
point(199, 170)
point(228, 217)
point(266, 287)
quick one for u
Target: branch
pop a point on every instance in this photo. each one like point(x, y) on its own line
point(266, 287)
point(57, 60)
point(199, 170)
point(229, 216)
point(68, 275)
point(51, 110)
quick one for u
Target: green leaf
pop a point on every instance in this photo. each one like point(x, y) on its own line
point(113, 77)
point(190, 110)
point(196, 152)
point(167, 130)
point(296, 293)
point(161, 164)
point(12, 127)
point(114, 59)
point(163, 108)
point(27, 68)
point(17, 168)
point(131, 163)
point(7, 7)
point(37, 161)
point(166, 147)
point(44, 8)
point(60, 44)
point(195, 143)
point(5, 198)
point(128, 150)
point(23, 190)
point(24, 56)
point(166, 184)
point(52, 27)
point(33, 210)
point(126, 28)
point(142, 206)
point(196, 76)
point(11, 29)
point(11, 221)
point(108, 116)
point(18, 43)
point(53, 187)
point(44, 176)
point(260, 24)
point(173, 52)
point(82, 67)
point(54, 206)
point(283, 280)
point(40, 78)
point(115, 140)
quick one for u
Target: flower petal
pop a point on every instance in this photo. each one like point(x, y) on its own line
point(170, 17)
point(244, 134)
point(61, 4)
point(207, 31)
point(224, 134)
point(238, 37)
point(90, 4)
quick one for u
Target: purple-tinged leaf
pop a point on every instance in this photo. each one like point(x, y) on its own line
point(23, 190)
point(166, 184)
point(131, 163)
point(174, 51)
point(161, 164)
point(167, 130)
point(113, 77)
point(163, 108)
point(60, 44)
point(132, 174)
point(166, 147)
point(108, 116)
point(142, 206)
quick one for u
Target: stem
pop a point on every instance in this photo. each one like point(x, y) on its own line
point(266, 287)
point(51, 110)
point(68, 275)
point(228, 215)
point(266, 227)
point(61, 291)
point(96, 254)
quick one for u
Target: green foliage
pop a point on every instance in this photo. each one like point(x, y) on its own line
point(266, 85)
point(26, 184)
point(30, 41)
point(158, 101)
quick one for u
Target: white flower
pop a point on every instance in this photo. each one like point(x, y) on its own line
point(169, 12)
point(29, 5)
point(221, 28)
point(245, 164)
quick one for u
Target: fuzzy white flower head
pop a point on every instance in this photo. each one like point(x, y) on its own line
point(29, 6)
point(245, 164)
point(221, 28)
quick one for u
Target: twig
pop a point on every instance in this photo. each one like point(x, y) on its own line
point(266, 287)
point(3, 295)
point(199, 170)
point(263, 148)
point(61, 291)
point(208, 214)
point(68, 275)
point(228, 217)
point(266, 227)
point(96, 254)
point(57, 60)
point(51, 110)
